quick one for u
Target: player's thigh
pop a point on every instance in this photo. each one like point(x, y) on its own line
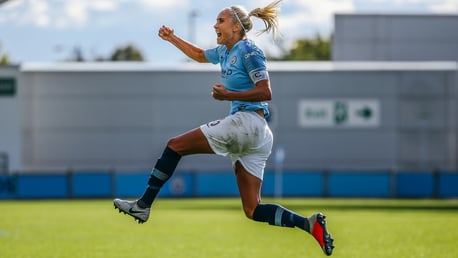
point(191, 142)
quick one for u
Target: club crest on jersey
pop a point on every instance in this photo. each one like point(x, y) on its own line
point(234, 59)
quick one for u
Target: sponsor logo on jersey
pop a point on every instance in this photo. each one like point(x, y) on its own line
point(248, 55)
point(226, 72)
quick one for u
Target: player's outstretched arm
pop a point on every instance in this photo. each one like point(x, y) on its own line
point(192, 51)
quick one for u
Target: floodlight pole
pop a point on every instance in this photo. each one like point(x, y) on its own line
point(193, 14)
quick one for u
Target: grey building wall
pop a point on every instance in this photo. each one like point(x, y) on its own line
point(395, 37)
point(119, 116)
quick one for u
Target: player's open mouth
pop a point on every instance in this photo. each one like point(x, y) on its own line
point(218, 34)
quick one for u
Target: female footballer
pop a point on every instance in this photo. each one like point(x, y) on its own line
point(244, 134)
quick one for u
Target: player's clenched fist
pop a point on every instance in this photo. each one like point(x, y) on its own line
point(165, 32)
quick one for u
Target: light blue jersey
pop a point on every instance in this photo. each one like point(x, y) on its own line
point(241, 68)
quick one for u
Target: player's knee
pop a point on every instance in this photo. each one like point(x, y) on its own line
point(174, 144)
point(249, 211)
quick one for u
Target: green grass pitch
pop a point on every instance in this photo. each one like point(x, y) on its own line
point(217, 228)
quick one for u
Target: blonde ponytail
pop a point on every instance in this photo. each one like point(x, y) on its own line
point(268, 14)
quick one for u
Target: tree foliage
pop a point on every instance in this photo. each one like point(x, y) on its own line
point(78, 55)
point(306, 49)
point(127, 53)
point(314, 49)
point(4, 59)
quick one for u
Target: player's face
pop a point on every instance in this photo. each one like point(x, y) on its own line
point(227, 32)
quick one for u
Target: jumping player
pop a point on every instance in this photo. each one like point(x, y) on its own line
point(244, 134)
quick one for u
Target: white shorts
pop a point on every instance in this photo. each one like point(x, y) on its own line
point(245, 136)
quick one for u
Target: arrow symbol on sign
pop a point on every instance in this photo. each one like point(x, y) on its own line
point(365, 113)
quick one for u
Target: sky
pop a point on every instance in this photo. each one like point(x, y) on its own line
point(49, 30)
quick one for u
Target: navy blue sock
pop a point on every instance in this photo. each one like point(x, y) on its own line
point(162, 171)
point(276, 215)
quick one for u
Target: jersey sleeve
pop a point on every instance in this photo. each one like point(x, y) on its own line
point(255, 64)
point(212, 55)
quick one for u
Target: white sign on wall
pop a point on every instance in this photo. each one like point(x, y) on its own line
point(339, 113)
